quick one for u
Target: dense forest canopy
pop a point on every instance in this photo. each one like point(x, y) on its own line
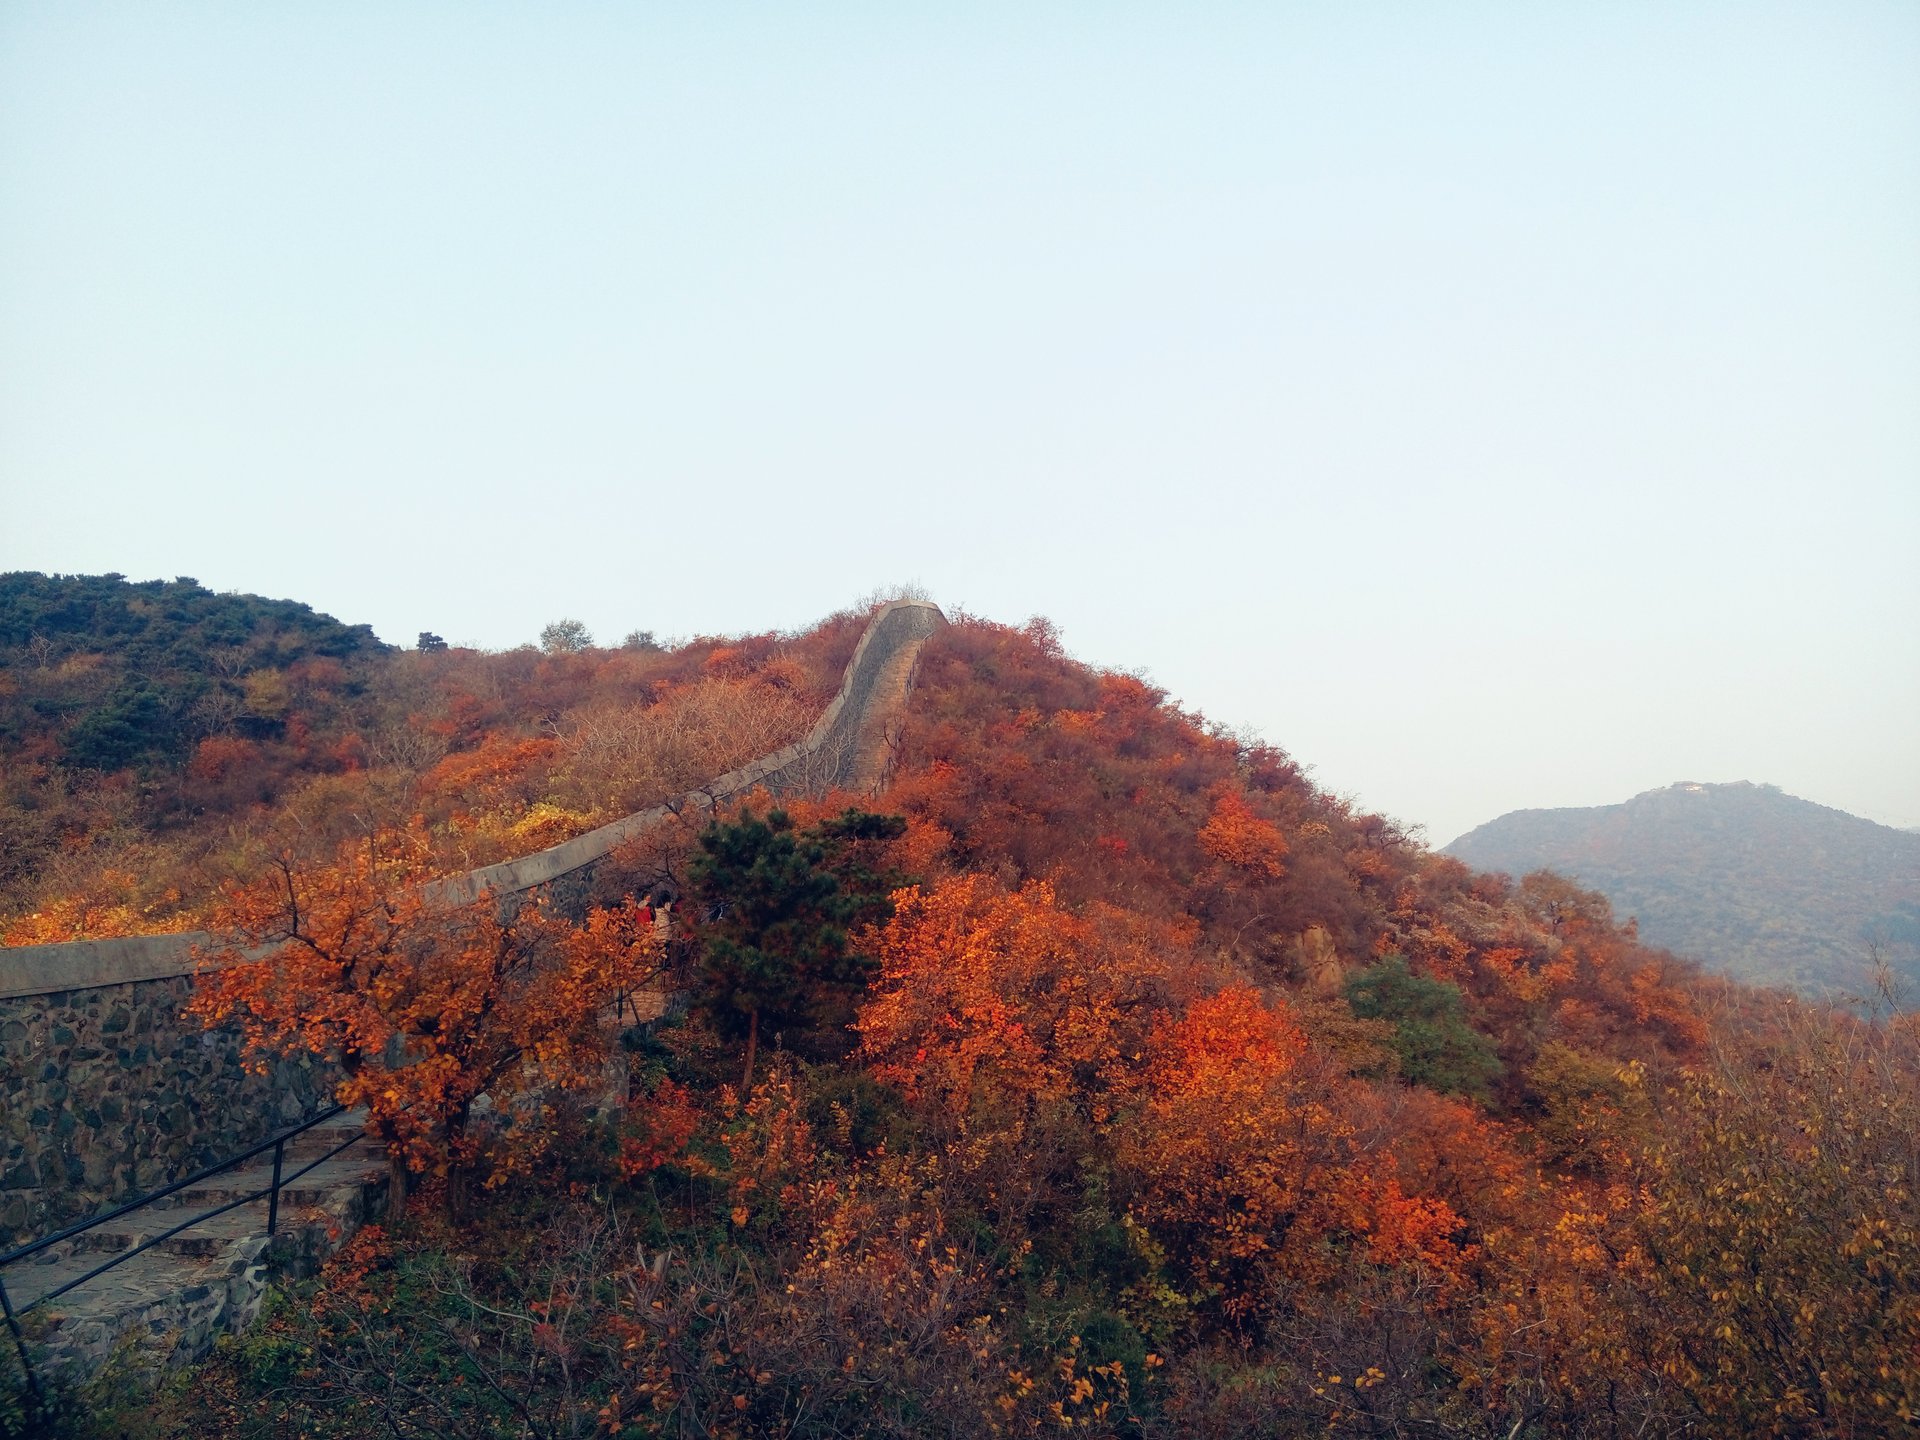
point(109, 673)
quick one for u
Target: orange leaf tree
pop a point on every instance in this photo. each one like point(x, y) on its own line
point(1240, 839)
point(1236, 1164)
point(989, 1001)
point(423, 1007)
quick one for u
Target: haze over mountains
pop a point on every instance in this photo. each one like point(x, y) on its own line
point(1766, 886)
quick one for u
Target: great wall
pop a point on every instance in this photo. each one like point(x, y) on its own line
point(109, 1093)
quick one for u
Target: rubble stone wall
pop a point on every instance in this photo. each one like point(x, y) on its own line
point(107, 1092)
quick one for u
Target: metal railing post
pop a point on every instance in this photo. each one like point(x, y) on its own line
point(273, 1196)
point(19, 1343)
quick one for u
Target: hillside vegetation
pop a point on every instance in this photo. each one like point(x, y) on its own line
point(1758, 884)
point(159, 738)
point(1115, 1081)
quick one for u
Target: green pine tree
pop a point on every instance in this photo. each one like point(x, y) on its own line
point(1431, 1038)
point(783, 904)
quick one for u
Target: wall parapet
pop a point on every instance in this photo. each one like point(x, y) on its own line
point(88, 964)
point(823, 759)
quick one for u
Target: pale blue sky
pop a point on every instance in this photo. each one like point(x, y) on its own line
point(1493, 404)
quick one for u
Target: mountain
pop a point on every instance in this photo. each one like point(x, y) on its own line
point(107, 673)
point(1771, 888)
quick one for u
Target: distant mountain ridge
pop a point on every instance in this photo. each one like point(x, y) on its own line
point(1763, 885)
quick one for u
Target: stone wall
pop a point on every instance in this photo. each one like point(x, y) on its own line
point(829, 752)
point(821, 761)
point(108, 1093)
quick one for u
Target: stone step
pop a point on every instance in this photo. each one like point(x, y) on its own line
point(355, 1168)
point(341, 1183)
point(228, 1185)
point(128, 1282)
point(344, 1178)
point(205, 1237)
point(257, 1176)
point(169, 1302)
point(328, 1133)
point(165, 1308)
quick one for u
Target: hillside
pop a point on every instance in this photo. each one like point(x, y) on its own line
point(1100, 1073)
point(1762, 885)
point(104, 673)
point(156, 737)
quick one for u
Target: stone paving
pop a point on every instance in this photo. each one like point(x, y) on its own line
point(873, 739)
point(164, 1307)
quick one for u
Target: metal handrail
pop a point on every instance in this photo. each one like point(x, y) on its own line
point(277, 1143)
point(95, 1221)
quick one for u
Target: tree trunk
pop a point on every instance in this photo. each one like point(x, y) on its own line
point(460, 1173)
point(396, 1187)
point(459, 1194)
point(753, 1048)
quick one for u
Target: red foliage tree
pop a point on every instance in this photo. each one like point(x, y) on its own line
point(423, 1008)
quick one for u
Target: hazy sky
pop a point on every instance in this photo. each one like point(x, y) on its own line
point(1495, 405)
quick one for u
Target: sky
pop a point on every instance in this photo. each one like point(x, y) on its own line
point(1493, 405)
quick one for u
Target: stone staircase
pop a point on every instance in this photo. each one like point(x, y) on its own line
point(164, 1307)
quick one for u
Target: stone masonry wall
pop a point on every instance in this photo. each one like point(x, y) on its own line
point(108, 1092)
point(105, 1092)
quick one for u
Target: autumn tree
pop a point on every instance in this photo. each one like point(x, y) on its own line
point(611, 753)
point(423, 1007)
point(1773, 1274)
point(1217, 1141)
point(990, 1001)
point(1240, 840)
point(781, 902)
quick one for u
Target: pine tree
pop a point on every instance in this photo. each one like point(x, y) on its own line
point(782, 904)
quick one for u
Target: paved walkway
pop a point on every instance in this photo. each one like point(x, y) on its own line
point(874, 740)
